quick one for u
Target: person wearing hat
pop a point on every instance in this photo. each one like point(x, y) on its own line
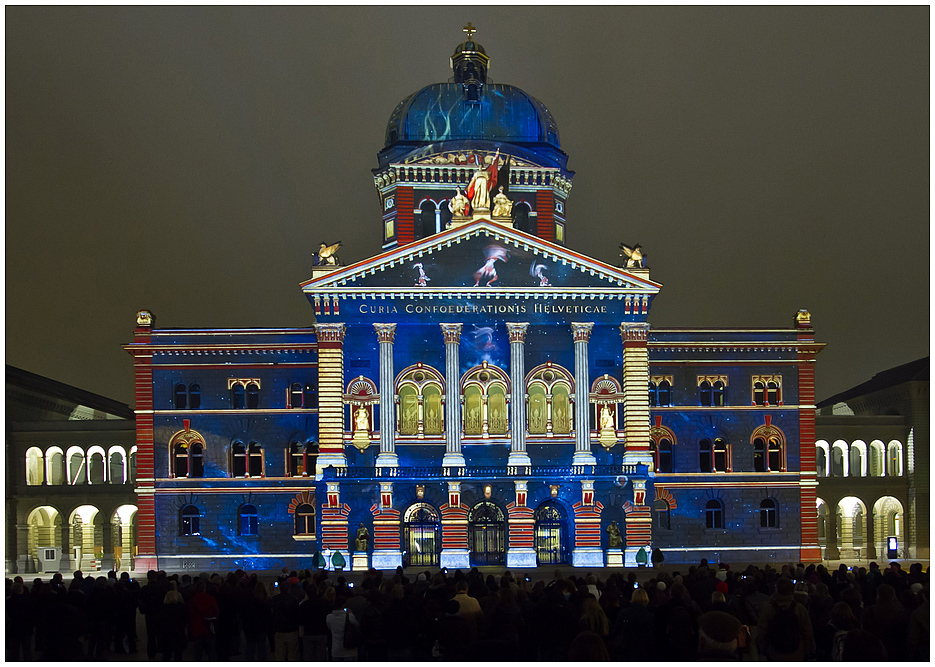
point(718, 637)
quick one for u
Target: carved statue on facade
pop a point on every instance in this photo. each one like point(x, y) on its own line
point(483, 181)
point(607, 419)
point(502, 207)
point(458, 204)
point(363, 538)
point(634, 256)
point(326, 254)
point(361, 420)
point(614, 539)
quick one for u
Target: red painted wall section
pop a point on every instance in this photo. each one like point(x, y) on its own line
point(545, 215)
point(588, 525)
point(145, 462)
point(639, 524)
point(454, 526)
point(405, 223)
point(521, 526)
point(385, 528)
point(334, 527)
point(808, 494)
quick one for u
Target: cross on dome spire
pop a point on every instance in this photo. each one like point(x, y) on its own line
point(469, 29)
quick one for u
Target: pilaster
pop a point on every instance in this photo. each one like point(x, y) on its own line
point(581, 332)
point(387, 554)
point(635, 393)
point(454, 521)
point(387, 457)
point(334, 526)
point(587, 551)
point(518, 455)
point(331, 396)
point(521, 550)
point(453, 457)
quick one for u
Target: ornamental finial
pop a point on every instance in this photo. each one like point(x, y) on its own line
point(469, 29)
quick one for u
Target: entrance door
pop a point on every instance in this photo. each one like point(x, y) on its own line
point(421, 535)
point(486, 534)
point(550, 534)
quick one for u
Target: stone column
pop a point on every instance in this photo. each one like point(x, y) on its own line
point(521, 551)
point(387, 457)
point(453, 457)
point(518, 455)
point(583, 456)
point(330, 396)
point(107, 558)
point(831, 539)
point(22, 548)
point(66, 564)
point(454, 519)
point(870, 542)
point(387, 554)
point(635, 394)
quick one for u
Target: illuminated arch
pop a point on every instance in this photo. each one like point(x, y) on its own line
point(485, 390)
point(117, 465)
point(839, 459)
point(822, 458)
point(550, 390)
point(35, 467)
point(76, 465)
point(420, 389)
point(55, 466)
point(772, 447)
point(187, 449)
point(97, 467)
point(857, 459)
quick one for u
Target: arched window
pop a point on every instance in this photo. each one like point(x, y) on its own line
point(485, 390)
point(35, 467)
point(722, 455)
point(305, 520)
point(551, 534)
point(665, 394)
point(238, 459)
point(662, 511)
point(196, 460)
point(295, 396)
point(759, 393)
point(248, 520)
point(116, 469)
point(55, 466)
point(238, 396)
point(421, 535)
point(255, 460)
point(76, 466)
point(705, 461)
point(894, 459)
point(876, 459)
point(181, 397)
point(821, 461)
point(419, 410)
point(768, 518)
point(664, 456)
point(189, 521)
point(538, 409)
point(486, 534)
point(714, 514)
point(759, 455)
point(194, 396)
point(704, 393)
point(719, 394)
point(772, 392)
point(96, 465)
point(427, 215)
point(521, 220)
point(253, 396)
point(653, 397)
point(550, 389)
point(769, 448)
point(302, 458)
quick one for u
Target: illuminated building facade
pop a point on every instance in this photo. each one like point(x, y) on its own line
point(477, 393)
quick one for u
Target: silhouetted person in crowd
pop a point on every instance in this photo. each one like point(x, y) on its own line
point(202, 615)
point(257, 623)
point(20, 629)
point(150, 603)
point(784, 631)
point(286, 622)
point(173, 622)
point(588, 647)
point(863, 646)
point(888, 621)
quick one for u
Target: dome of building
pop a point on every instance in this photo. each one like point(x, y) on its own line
point(470, 107)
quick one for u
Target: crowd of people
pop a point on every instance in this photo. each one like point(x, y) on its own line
point(703, 612)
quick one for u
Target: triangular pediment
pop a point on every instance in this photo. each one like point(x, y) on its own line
point(481, 257)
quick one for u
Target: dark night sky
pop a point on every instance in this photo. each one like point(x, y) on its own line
point(189, 161)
